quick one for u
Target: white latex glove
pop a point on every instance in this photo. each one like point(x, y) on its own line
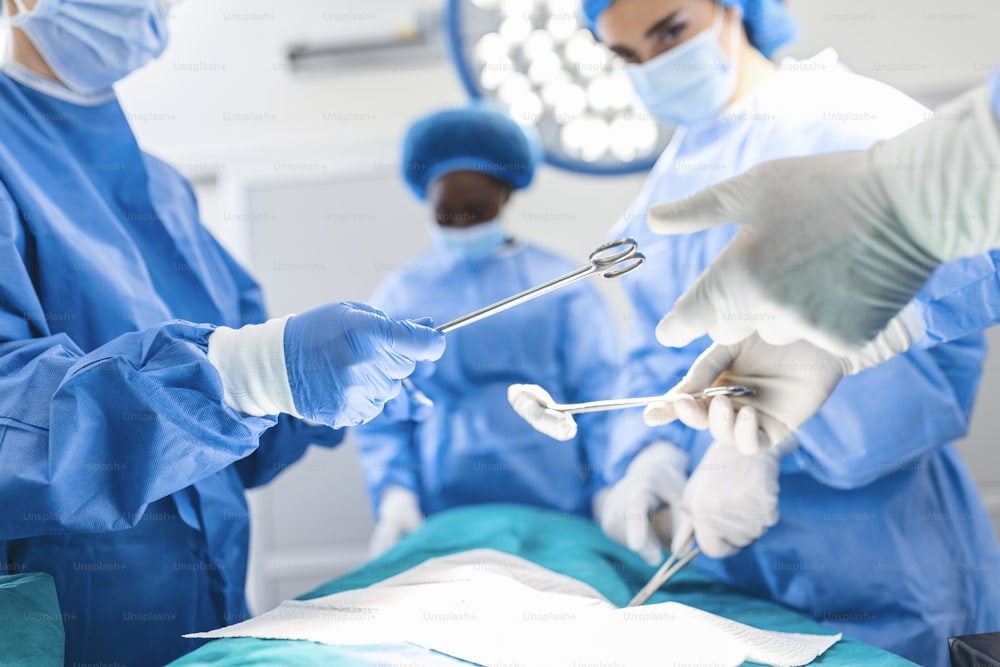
point(792, 382)
point(531, 402)
point(729, 502)
point(399, 515)
point(655, 479)
point(832, 246)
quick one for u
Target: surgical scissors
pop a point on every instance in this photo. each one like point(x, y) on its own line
point(611, 260)
point(674, 564)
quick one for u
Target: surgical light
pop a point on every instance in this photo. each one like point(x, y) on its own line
point(537, 60)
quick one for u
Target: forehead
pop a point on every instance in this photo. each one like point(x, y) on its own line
point(466, 181)
point(630, 19)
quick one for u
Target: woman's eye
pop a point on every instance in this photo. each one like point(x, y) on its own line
point(673, 32)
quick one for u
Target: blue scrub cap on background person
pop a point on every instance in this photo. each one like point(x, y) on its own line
point(768, 23)
point(475, 138)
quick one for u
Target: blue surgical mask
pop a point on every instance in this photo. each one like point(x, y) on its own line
point(475, 242)
point(91, 44)
point(689, 83)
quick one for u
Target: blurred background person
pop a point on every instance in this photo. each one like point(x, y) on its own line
point(473, 448)
point(882, 445)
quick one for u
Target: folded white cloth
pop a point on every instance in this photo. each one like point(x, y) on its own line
point(488, 607)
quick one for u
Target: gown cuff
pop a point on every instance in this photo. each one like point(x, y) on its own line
point(251, 362)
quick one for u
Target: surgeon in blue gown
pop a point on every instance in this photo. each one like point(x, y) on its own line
point(138, 396)
point(474, 448)
point(882, 533)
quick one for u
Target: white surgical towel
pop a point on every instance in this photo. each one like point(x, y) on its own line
point(491, 608)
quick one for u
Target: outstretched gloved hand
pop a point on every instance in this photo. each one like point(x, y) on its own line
point(832, 246)
point(337, 364)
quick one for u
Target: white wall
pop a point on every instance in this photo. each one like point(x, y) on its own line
point(223, 103)
point(924, 47)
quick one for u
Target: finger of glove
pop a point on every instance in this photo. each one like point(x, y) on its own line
point(414, 341)
point(691, 317)
point(357, 305)
point(702, 210)
point(423, 370)
point(612, 513)
point(658, 414)
point(397, 409)
point(712, 544)
point(730, 332)
point(692, 412)
point(384, 538)
point(411, 522)
point(747, 434)
point(706, 369)
point(771, 432)
point(651, 551)
point(421, 407)
point(742, 525)
point(777, 329)
point(637, 529)
point(379, 385)
point(721, 419)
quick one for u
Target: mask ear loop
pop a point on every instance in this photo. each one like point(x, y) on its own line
point(21, 16)
point(8, 21)
point(718, 17)
point(734, 40)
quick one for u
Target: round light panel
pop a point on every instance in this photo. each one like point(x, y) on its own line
point(537, 60)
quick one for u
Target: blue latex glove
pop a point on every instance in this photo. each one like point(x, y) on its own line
point(345, 360)
point(411, 404)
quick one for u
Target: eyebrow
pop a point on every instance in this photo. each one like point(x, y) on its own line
point(625, 52)
point(661, 24)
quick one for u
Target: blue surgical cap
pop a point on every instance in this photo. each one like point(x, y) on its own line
point(475, 138)
point(768, 23)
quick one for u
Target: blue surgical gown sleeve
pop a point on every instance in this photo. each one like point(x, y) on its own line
point(867, 429)
point(88, 440)
point(281, 446)
point(591, 365)
point(386, 448)
point(885, 418)
point(964, 298)
point(935, 381)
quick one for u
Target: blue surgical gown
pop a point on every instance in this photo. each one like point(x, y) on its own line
point(121, 470)
point(882, 532)
point(474, 448)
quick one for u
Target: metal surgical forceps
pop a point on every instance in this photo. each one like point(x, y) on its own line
point(674, 564)
point(624, 403)
point(611, 260)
